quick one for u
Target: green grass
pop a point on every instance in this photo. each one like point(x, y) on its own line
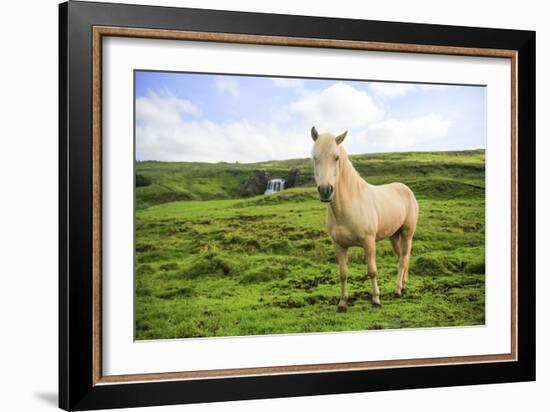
point(211, 264)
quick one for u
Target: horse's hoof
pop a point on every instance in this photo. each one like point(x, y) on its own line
point(376, 305)
point(341, 308)
point(397, 294)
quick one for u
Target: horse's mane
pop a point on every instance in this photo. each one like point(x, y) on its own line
point(348, 176)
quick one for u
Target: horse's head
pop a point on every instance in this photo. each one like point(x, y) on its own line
point(326, 154)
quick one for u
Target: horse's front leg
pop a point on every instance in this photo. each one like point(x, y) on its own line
point(370, 253)
point(342, 255)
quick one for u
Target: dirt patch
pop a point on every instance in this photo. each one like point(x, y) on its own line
point(311, 283)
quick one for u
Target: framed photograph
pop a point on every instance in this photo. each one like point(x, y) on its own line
point(256, 205)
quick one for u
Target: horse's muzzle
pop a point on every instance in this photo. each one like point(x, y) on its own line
point(325, 193)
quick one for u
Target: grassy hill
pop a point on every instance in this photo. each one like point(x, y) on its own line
point(209, 263)
point(428, 174)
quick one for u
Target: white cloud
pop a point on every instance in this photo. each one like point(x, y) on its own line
point(406, 134)
point(227, 84)
point(336, 108)
point(296, 84)
point(391, 90)
point(433, 87)
point(168, 129)
point(164, 106)
point(206, 141)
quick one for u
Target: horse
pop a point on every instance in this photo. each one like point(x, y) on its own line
point(360, 214)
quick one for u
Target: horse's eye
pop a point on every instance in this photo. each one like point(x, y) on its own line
point(336, 157)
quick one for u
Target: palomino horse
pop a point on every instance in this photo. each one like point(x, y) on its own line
point(359, 214)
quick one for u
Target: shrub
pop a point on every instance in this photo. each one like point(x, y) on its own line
point(254, 185)
point(476, 267)
point(142, 180)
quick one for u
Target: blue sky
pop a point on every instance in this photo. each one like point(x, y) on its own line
point(212, 118)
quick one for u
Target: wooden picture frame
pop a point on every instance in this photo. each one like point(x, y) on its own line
point(82, 385)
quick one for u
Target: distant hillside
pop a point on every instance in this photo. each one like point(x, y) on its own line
point(429, 174)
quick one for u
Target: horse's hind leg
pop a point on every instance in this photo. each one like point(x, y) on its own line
point(408, 246)
point(404, 260)
point(342, 255)
point(396, 245)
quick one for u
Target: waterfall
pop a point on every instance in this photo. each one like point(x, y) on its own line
point(274, 186)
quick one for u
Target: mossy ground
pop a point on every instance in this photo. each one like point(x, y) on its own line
point(265, 265)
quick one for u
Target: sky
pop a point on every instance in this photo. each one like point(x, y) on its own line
point(229, 118)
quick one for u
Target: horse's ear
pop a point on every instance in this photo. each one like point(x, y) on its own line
point(340, 138)
point(314, 133)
